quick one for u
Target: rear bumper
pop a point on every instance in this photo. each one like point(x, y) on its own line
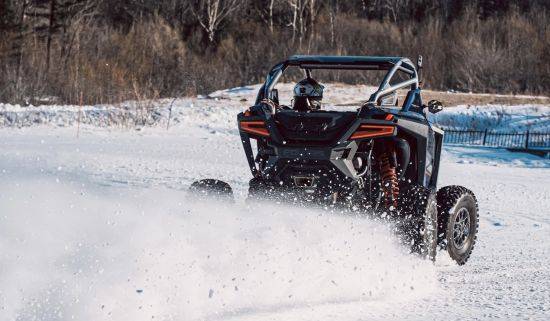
point(312, 170)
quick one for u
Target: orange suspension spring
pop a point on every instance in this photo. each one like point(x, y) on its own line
point(390, 183)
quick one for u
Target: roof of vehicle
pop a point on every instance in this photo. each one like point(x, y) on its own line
point(307, 63)
point(370, 62)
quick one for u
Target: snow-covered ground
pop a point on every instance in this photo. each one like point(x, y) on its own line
point(98, 227)
point(218, 109)
point(496, 118)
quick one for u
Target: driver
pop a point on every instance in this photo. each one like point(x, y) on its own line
point(308, 94)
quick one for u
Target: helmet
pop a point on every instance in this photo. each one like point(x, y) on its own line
point(308, 94)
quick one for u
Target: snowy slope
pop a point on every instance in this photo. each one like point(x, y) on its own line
point(496, 118)
point(217, 112)
point(98, 227)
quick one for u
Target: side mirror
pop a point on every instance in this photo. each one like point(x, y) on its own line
point(435, 106)
point(274, 96)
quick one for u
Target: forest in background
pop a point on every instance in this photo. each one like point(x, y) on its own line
point(106, 51)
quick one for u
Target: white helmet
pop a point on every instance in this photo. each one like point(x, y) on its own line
point(308, 94)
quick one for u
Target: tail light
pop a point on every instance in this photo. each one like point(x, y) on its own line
point(256, 127)
point(369, 131)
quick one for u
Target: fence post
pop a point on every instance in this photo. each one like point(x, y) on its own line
point(527, 140)
point(484, 136)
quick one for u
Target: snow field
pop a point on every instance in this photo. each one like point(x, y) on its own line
point(95, 224)
point(217, 111)
point(75, 251)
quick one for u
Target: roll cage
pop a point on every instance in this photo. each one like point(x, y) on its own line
point(391, 64)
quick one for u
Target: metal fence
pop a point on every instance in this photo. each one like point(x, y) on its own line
point(527, 140)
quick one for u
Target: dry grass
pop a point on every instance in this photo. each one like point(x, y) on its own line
point(153, 58)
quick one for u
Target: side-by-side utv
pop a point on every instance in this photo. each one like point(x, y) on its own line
point(379, 156)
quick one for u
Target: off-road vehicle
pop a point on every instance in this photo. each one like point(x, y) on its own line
point(380, 156)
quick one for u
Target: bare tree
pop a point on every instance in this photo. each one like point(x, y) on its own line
point(297, 21)
point(210, 14)
point(294, 6)
point(51, 30)
point(303, 16)
point(332, 12)
point(314, 8)
point(271, 15)
point(394, 7)
point(19, 43)
point(266, 10)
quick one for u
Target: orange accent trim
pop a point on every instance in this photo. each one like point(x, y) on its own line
point(255, 127)
point(367, 131)
point(247, 113)
point(389, 117)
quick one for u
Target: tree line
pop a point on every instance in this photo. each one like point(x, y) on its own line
point(104, 51)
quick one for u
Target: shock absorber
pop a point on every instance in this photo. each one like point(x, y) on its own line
point(388, 174)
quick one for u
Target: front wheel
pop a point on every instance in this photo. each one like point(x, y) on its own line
point(458, 219)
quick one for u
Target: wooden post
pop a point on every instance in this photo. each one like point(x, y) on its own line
point(527, 140)
point(484, 136)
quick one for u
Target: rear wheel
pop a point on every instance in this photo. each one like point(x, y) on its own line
point(458, 221)
point(212, 188)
